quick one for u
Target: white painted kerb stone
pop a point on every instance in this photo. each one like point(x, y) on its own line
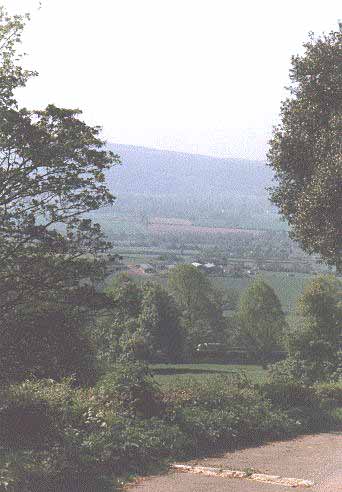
point(259, 477)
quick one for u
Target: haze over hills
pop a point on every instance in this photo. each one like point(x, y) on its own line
point(159, 172)
point(209, 191)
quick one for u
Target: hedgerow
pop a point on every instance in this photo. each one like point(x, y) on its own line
point(76, 439)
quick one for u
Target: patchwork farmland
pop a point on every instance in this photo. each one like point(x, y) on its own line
point(170, 225)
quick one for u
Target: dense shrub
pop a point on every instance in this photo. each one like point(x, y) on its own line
point(289, 394)
point(314, 343)
point(330, 393)
point(46, 340)
point(131, 444)
point(300, 402)
point(49, 471)
point(79, 440)
point(34, 413)
point(44, 431)
point(130, 390)
point(207, 428)
point(26, 423)
point(223, 414)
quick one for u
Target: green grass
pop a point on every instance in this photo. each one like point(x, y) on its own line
point(288, 288)
point(167, 374)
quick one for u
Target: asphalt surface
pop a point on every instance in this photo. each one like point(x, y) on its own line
point(317, 458)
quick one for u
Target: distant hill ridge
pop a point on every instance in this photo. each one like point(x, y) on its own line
point(142, 148)
point(162, 172)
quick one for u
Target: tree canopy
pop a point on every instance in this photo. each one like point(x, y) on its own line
point(200, 303)
point(52, 171)
point(314, 346)
point(141, 321)
point(261, 320)
point(306, 149)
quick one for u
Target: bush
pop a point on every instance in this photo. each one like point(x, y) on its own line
point(330, 392)
point(130, 390)
point(49, 471)
point(46, 340)
point(26, 423)
point(78, 440)
point(289, 394)
point(131, 444)
point(300, 402)
point(207, 428)
point(287, 370)
point(44, 426)
point(34, 413)
point(242, 424)
point(225, 413)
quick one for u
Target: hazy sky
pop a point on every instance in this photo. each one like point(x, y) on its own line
point(200, 76)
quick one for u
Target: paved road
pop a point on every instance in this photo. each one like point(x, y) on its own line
point(317, 458)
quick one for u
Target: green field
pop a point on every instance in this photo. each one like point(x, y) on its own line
point(288, 288)
point(168, 374)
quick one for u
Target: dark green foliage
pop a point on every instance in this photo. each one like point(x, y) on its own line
point(45, 340)
point(208, 428)
point(33, 413)
point(314, 345)
point(125, 296)
point(89, 438)
point(305, 150)
point(51, 471)
point(261, 320)
point(46, 430)
point(26, 423)
point(330, 392)
point(130, 389)
point(200, 303)
point(301, 403)
point(141, 322)
point(135, 445)
point(287, 393)
point(160, 317)
point(225, 415)
point(52, 170)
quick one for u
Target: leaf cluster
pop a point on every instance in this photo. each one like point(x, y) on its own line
point(306, 148)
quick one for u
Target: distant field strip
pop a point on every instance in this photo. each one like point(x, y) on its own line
point(159, 228)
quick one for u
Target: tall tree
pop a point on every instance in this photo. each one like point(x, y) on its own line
point(306, 149)
point(141, 321)
point(52, 171)
point(116, 330)
point(160, 318)
point(314, 346)
point(125, 296)
point(261, 320)
point(200, 303)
